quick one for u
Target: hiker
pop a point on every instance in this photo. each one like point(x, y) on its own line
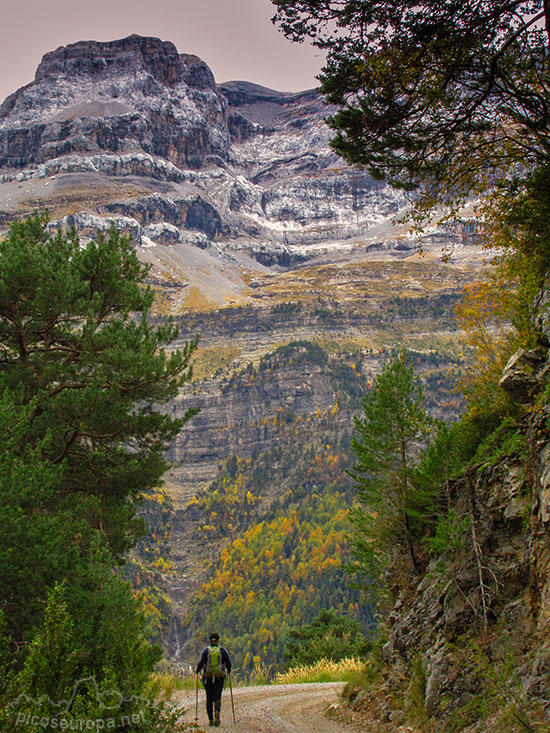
point(215, 664)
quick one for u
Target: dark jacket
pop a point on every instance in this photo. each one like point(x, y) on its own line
point(204, 660)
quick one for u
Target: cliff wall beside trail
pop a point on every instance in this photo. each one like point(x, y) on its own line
point(468, 645)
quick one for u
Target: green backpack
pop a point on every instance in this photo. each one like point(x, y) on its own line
point(214, 663)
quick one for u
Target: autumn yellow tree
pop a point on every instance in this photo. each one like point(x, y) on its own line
point(496, 313)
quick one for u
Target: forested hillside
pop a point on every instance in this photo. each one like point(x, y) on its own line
point(274, 525)
point(279, 574)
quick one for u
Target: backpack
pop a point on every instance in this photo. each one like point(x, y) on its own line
point(215, 666)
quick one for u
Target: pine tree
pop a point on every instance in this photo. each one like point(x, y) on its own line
point(389, 438)
point(84, 374)
point(76, 344)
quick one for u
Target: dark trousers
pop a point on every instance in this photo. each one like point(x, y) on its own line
point(213, 687)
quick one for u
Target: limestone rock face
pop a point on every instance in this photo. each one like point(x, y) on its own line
point(133, 94)
point(250, 169)
point(521, 374)
point(542, 309)
point(495, 584)
point(442, 618)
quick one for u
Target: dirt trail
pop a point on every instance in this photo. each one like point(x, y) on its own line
point(273, 709)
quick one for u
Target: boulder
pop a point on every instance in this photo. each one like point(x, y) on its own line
point(520, 378)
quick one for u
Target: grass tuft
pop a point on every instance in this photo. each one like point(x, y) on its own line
point(324, 670)
point(260, 675)
point(162, 685)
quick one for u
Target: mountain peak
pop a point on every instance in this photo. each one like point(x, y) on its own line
point(231, 168)
point(95, 59)
point(134, 94)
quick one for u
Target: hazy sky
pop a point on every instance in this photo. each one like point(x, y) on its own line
point(235, 37)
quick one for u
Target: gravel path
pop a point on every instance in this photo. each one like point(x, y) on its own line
point(273, 709)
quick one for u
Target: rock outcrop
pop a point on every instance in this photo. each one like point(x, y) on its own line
point(473, 633)
point(133, 94)
point(522, 374)
point(248, 167)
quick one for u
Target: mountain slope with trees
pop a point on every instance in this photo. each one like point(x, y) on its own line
point(279, 574)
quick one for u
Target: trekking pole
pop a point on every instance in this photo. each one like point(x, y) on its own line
point(197, 697)
point(232, 704)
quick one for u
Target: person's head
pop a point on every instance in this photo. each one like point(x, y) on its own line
point(214, 639)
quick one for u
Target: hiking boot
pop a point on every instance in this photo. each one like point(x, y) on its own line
point(211, 722)
point(216, 718)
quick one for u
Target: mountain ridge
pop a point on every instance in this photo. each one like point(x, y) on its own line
point(254, 162)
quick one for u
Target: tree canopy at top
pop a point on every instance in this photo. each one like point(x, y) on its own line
point(447, 95)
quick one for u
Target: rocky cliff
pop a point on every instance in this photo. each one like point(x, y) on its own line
point(136, 94)
point(351, 312)
point(132, 133)
point(467, 646)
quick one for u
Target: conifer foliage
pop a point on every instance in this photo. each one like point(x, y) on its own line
point(388, 442)
point(78, 352)
point(329, 636)
point(446, 94)
point(83, 374)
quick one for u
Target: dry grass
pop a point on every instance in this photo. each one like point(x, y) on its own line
point(206, 362)
point(335, 346)
point(62, 203)
point(357, 282)
point(324, 670)
point(162, 685)
point(197, 301)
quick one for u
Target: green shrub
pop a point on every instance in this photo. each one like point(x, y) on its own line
point(329, 637)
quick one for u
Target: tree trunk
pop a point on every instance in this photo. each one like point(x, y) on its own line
point(483, 588)
point(405, 517)
point(408, 542)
